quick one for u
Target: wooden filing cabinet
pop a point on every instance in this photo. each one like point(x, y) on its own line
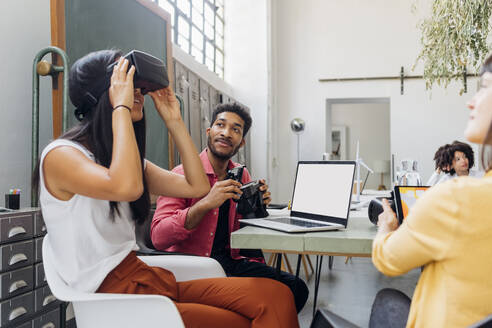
point(25, 298)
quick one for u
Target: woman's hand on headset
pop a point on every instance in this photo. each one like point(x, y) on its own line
point(167, 105)
point(121, 89)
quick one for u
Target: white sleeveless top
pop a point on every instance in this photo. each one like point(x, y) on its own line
point(83, 240)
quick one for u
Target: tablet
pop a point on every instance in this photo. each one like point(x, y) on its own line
point(405, 198)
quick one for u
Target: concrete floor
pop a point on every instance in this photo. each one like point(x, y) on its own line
point(349, 289)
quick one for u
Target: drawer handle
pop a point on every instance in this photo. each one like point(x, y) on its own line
point(49, 325)
point(17, 258)
point(48, 299)
point(17, 313)
point(16, 231)
point(17, 285)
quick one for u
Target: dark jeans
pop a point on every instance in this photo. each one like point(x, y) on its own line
point(245, 268)
point(390, 309)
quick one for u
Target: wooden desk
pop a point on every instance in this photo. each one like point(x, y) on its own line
point(355, 241)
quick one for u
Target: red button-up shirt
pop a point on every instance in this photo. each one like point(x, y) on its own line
point(167, 229)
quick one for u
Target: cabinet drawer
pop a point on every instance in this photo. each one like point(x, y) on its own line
point(48, 320)
point(16, 282)
point(16, 308)
point(39, 275)
point(17, 255)
point(26, 325)
point(14, 228)
point(43, 298)
point(39, 226)
point(38, 249)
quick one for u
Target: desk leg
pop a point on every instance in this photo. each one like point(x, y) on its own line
point(279, 265)
point(317, 275)
point(330, 262)
point(299, 259)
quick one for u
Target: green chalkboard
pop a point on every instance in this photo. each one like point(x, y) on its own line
point(123, 24)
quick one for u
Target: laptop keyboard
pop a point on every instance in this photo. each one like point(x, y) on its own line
point(299, 223)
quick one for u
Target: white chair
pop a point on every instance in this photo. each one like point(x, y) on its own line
point(127, 310)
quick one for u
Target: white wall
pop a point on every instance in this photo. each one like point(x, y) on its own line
point(370, 125)
point(245, 42)
point(25, 29)
point(354, 38)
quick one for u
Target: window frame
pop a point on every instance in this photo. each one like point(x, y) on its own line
point(218, 68)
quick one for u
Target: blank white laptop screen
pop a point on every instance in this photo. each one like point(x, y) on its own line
point(323, 189)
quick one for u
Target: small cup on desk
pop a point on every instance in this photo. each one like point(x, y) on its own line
point(12, 201)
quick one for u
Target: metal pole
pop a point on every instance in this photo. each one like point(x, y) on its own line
point(298, 147)
point(53, 71)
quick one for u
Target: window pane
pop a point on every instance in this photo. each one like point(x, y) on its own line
point(209, 13)
point(198, 54)
point(210, 50)
point(219, 59)
point(184, 5)
point(183, 43)
point(197, 38)
point(183, 27)
point(219, 26)
point(210, 64)
point(220, 72)
point(220, 10)
point(169, 8)
point(219, 41)
point(209, 31)
point(197, 19)
point(198, 5)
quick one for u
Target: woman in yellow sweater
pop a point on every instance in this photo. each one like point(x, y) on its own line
point(449, 232)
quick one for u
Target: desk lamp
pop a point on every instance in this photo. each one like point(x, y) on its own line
point(297, 125)
point(359, 162)
point(381, 166)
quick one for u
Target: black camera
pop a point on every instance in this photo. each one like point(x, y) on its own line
point(150, 71)
point(376, 207)
point(250, 205)
point(235, 173)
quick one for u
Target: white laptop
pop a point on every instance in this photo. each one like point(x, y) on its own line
point(320, 200)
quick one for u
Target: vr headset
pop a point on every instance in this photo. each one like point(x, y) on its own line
point(150, 72)
point(150, 75)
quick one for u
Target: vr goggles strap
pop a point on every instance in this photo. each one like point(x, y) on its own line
point(89, 102)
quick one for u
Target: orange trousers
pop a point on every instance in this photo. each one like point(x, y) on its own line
point(215, 302)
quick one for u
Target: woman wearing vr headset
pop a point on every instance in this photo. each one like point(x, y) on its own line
point(449, 233)
point(94, 187)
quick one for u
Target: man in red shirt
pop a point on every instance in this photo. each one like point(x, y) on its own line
point(203, 226)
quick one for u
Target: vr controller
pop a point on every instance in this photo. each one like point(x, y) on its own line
point(250, 205)
point(376, 207)
point(150, 71)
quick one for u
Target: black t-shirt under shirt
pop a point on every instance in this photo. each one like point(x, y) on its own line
point(221, 240)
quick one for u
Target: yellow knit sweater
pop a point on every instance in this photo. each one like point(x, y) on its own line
point(449, 230)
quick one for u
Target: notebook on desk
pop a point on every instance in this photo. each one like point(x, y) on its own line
point(320, 200)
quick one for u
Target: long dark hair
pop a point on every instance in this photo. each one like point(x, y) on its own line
point(486, 148)
point(88, 88)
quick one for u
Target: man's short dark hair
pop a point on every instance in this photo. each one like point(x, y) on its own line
point(236, 109)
